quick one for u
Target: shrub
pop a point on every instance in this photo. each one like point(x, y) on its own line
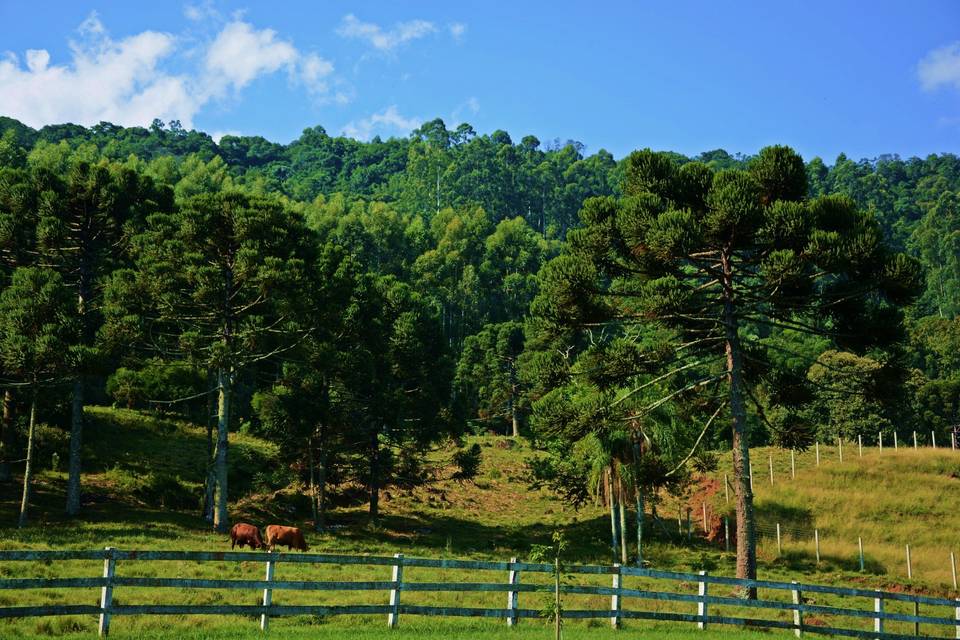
point(467, 461)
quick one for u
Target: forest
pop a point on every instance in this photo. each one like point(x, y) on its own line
point(358, 303)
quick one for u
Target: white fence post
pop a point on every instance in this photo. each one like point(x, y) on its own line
point(771, 469)
point(513, 597)
point(896, 445)
point(797, 613)
point(106, 592)
point(726, 488)
point(840, 448)
point(860, 544)
point(953, 569)
point(880, 440)
point(909, 565)
point(956, 616)
point(394, 615)
point(702, 604)
point(878, 608)
point(793, 466)
point(779, 547)
point(615, 598)
point(914, 440)
point(705, 530)
point(267, 593)
point(859, 445)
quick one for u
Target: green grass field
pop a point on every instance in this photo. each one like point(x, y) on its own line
point(890, 500)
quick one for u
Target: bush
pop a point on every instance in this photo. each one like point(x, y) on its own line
point(157, 380)
point(467, 461)
point(166, 491)
point(159, 489)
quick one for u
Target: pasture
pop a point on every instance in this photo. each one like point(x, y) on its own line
point(888, 499)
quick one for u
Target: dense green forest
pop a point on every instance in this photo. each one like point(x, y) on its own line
point(360, 302)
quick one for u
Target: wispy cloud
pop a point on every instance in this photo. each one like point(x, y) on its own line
point(470, 106)
point(124, 81)
point(385, 40)
point(457, 30)
point(940, 67)
point(387, 122)
point(200, 11)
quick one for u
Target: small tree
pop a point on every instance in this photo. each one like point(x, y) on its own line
point(553, 553)
point(37, 336)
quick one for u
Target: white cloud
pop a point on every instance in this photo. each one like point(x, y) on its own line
point(314, 71)
point(201, 11)
point(240, 54)
point(457, 30)
point(125, 82)
point(384, 40)
point(388, 121)
point(940, 67)
point(110, 80)
point(218, 135)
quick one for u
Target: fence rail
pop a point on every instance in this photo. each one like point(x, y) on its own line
point(799, 605)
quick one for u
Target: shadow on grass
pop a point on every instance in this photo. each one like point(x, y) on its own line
point(806, 563)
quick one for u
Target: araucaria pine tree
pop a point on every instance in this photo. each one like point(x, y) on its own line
point(710, 259)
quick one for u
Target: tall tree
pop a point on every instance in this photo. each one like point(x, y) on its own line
point(488, 373)
point(37, 337)
point(20, 200)
point(706, 255)
point(216, 282)
point(81, 226)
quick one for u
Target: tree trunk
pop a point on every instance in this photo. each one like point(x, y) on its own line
point(28, 470)
point(614, 524)
point(313, 485)
point(623, 531)
point(210, 480)
point(321, 521)
point(514, 419)
point(225, 383)
point(76, 444)
point(639, 491)
point(374, 484)
point(6, 437)
point(84, 295)
point(746, 526)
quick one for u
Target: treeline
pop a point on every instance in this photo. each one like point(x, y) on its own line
point(357, 303)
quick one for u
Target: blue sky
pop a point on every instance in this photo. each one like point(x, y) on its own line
point(824, 77)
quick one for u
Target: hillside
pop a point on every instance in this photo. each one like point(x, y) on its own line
point(138, 501)
point(137, 498)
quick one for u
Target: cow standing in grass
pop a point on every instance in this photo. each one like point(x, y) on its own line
point(291, 537)
point(246, 534)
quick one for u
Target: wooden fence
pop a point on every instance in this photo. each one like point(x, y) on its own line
point(942, 615)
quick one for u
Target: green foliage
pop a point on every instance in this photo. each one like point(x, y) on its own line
point(847, 401)
point(38, 329)
point(467, 461)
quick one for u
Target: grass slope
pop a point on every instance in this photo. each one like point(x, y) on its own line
point(138, 462)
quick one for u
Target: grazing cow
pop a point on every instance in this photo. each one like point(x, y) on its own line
point(291, 537)
point(246, 534)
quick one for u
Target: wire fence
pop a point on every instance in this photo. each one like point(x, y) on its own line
point(793, 536)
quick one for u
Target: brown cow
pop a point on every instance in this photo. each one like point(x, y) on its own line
point(291, 537)
point(246, 534)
